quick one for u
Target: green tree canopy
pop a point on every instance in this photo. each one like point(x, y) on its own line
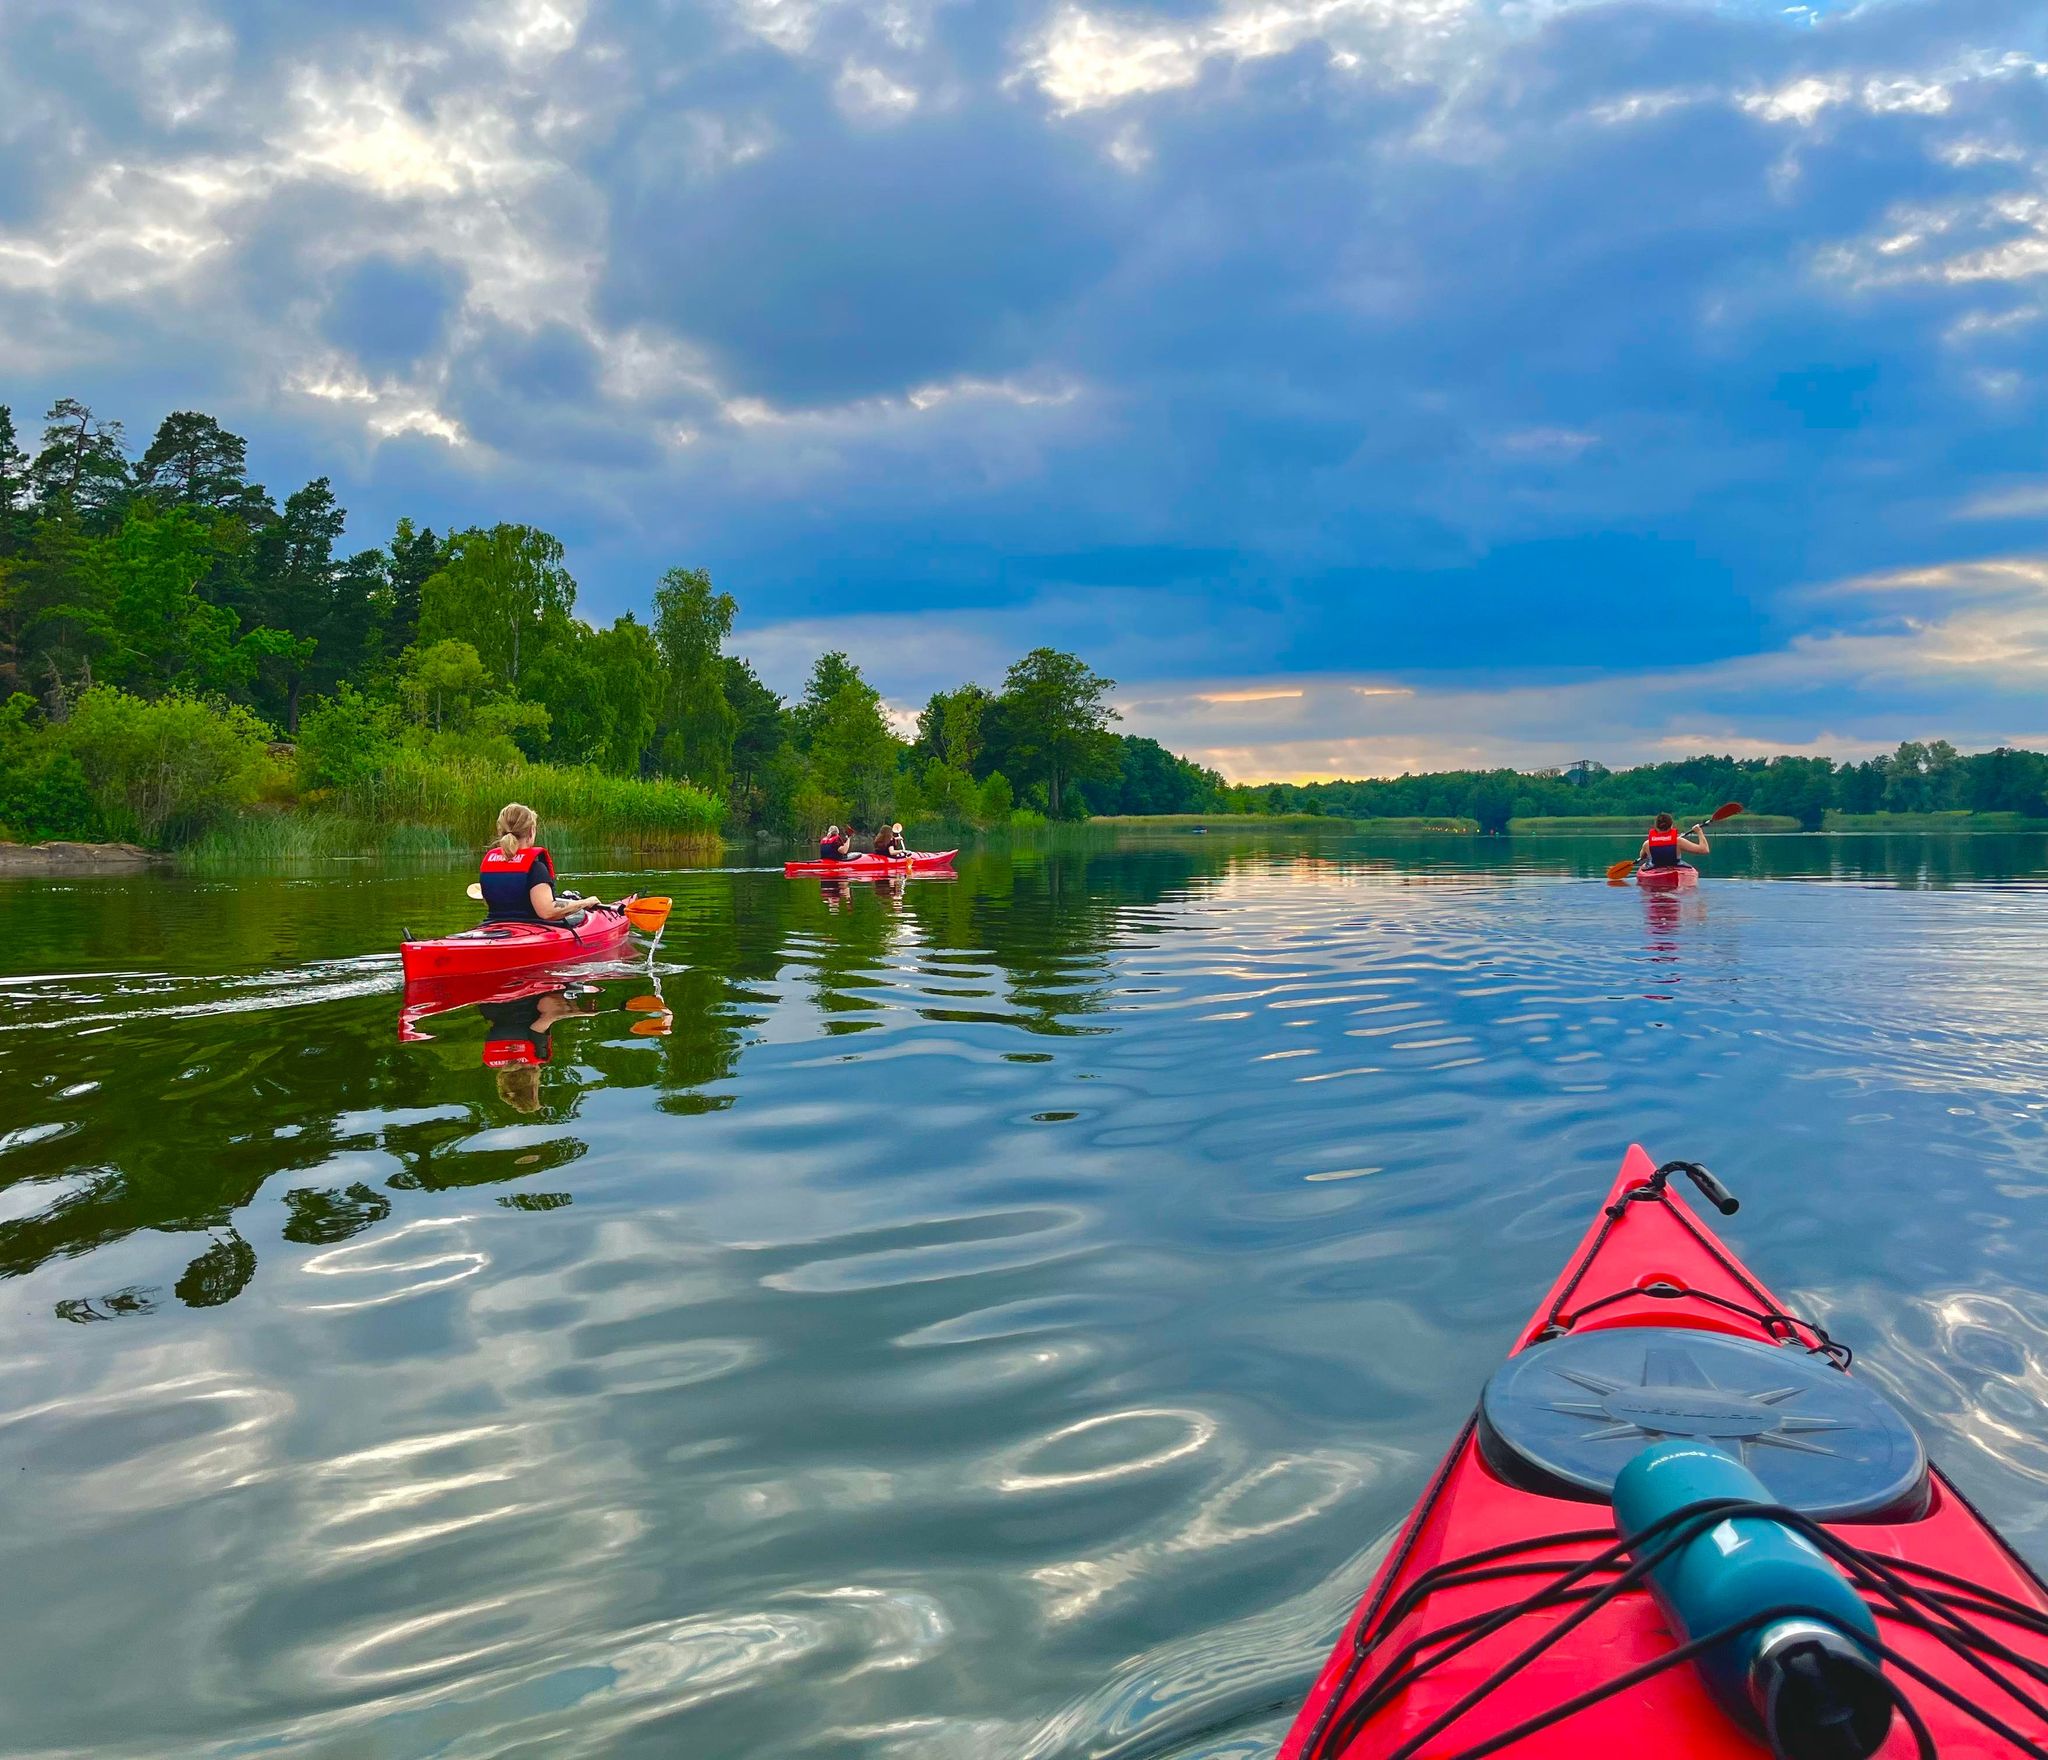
point(853, 752)
point(505, 591)
point(83, 464)
point(14, 487)
point(193, 462)
point(1057, 717)
point(698, 724)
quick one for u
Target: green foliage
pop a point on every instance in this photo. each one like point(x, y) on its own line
point(950, 729)
point(698, 724)
point(505, 592)
point(1056, 715)
point(761, 730)
point(440, 684)
point(831, 673)
point(164, 771)
point(853, 753)
point(346, 741)
point(994, 802)
point(43, 790)
point(430, 787)
point(193, 462)
point(600, 689)
point(82, 467)
point(949, 794)
point(14, 514)
point(161, 634)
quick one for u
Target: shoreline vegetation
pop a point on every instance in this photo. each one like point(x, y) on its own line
point(282, 838)
point(189, 666)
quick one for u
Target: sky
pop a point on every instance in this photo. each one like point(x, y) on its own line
point(1365, 385)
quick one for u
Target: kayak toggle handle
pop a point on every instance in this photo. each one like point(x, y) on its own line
point(1711, 1189)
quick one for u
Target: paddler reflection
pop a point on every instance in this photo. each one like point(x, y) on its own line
point(518, 1038)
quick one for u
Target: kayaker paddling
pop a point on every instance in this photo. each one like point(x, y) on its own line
point(835, 845)
point(889, 843)
point(1665, 843)
point(517, 875)
point(1656, 865)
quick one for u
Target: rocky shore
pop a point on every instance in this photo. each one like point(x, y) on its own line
point(73, 858)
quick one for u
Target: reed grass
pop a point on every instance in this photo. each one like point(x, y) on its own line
point(419, 808)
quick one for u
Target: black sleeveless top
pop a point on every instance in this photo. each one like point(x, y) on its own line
point(508, 882)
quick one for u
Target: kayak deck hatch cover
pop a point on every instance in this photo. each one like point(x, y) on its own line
point(1502, 1620)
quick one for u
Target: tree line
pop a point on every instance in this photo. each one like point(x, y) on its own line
point(1919, 777)
point(168, 603)
point(175, 645)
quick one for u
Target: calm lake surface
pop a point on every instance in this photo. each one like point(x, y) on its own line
point(997, 1318)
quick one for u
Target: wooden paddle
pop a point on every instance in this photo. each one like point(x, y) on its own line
point(1728, 810)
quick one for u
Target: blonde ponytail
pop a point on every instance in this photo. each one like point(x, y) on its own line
point(516, 822)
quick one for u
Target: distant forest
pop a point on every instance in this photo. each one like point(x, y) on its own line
point(1917, 778)
point(178, 648)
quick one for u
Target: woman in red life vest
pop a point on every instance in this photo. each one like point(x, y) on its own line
point(518, 876)
point(1661, 849)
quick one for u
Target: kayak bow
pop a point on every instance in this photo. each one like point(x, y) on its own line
point(1476, 1638)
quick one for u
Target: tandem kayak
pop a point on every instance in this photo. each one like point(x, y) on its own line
point(1510, 1618)
point(506, 947)
point(855, 867)
point(1668, 879)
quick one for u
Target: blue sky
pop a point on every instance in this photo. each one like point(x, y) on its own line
point(1365, 384)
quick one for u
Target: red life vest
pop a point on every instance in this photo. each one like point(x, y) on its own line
point(507, 882)
point(1663, 848)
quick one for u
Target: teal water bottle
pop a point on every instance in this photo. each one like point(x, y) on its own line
point(1811, 1680)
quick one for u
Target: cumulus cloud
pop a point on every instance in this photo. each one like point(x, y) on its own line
point(1424, 345)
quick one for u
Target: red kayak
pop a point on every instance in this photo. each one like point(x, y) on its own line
point(858, 867)
point(1668, 879)
point(1478, 1638)
point(505, 947)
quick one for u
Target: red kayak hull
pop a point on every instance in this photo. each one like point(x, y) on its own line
point(509, 947)
point(859, 867)
point(1467, 1509)
point(1667, 879)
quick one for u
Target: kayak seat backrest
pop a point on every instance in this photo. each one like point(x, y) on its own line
point(1564, 1416)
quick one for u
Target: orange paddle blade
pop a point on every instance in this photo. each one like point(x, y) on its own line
point(648, 914)
point(1622, 870)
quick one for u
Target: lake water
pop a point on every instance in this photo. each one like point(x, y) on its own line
point(1004, 1317)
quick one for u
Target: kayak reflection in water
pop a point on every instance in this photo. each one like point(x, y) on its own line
point(1661, 849)
point(517, 1039)
point(517, 876)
